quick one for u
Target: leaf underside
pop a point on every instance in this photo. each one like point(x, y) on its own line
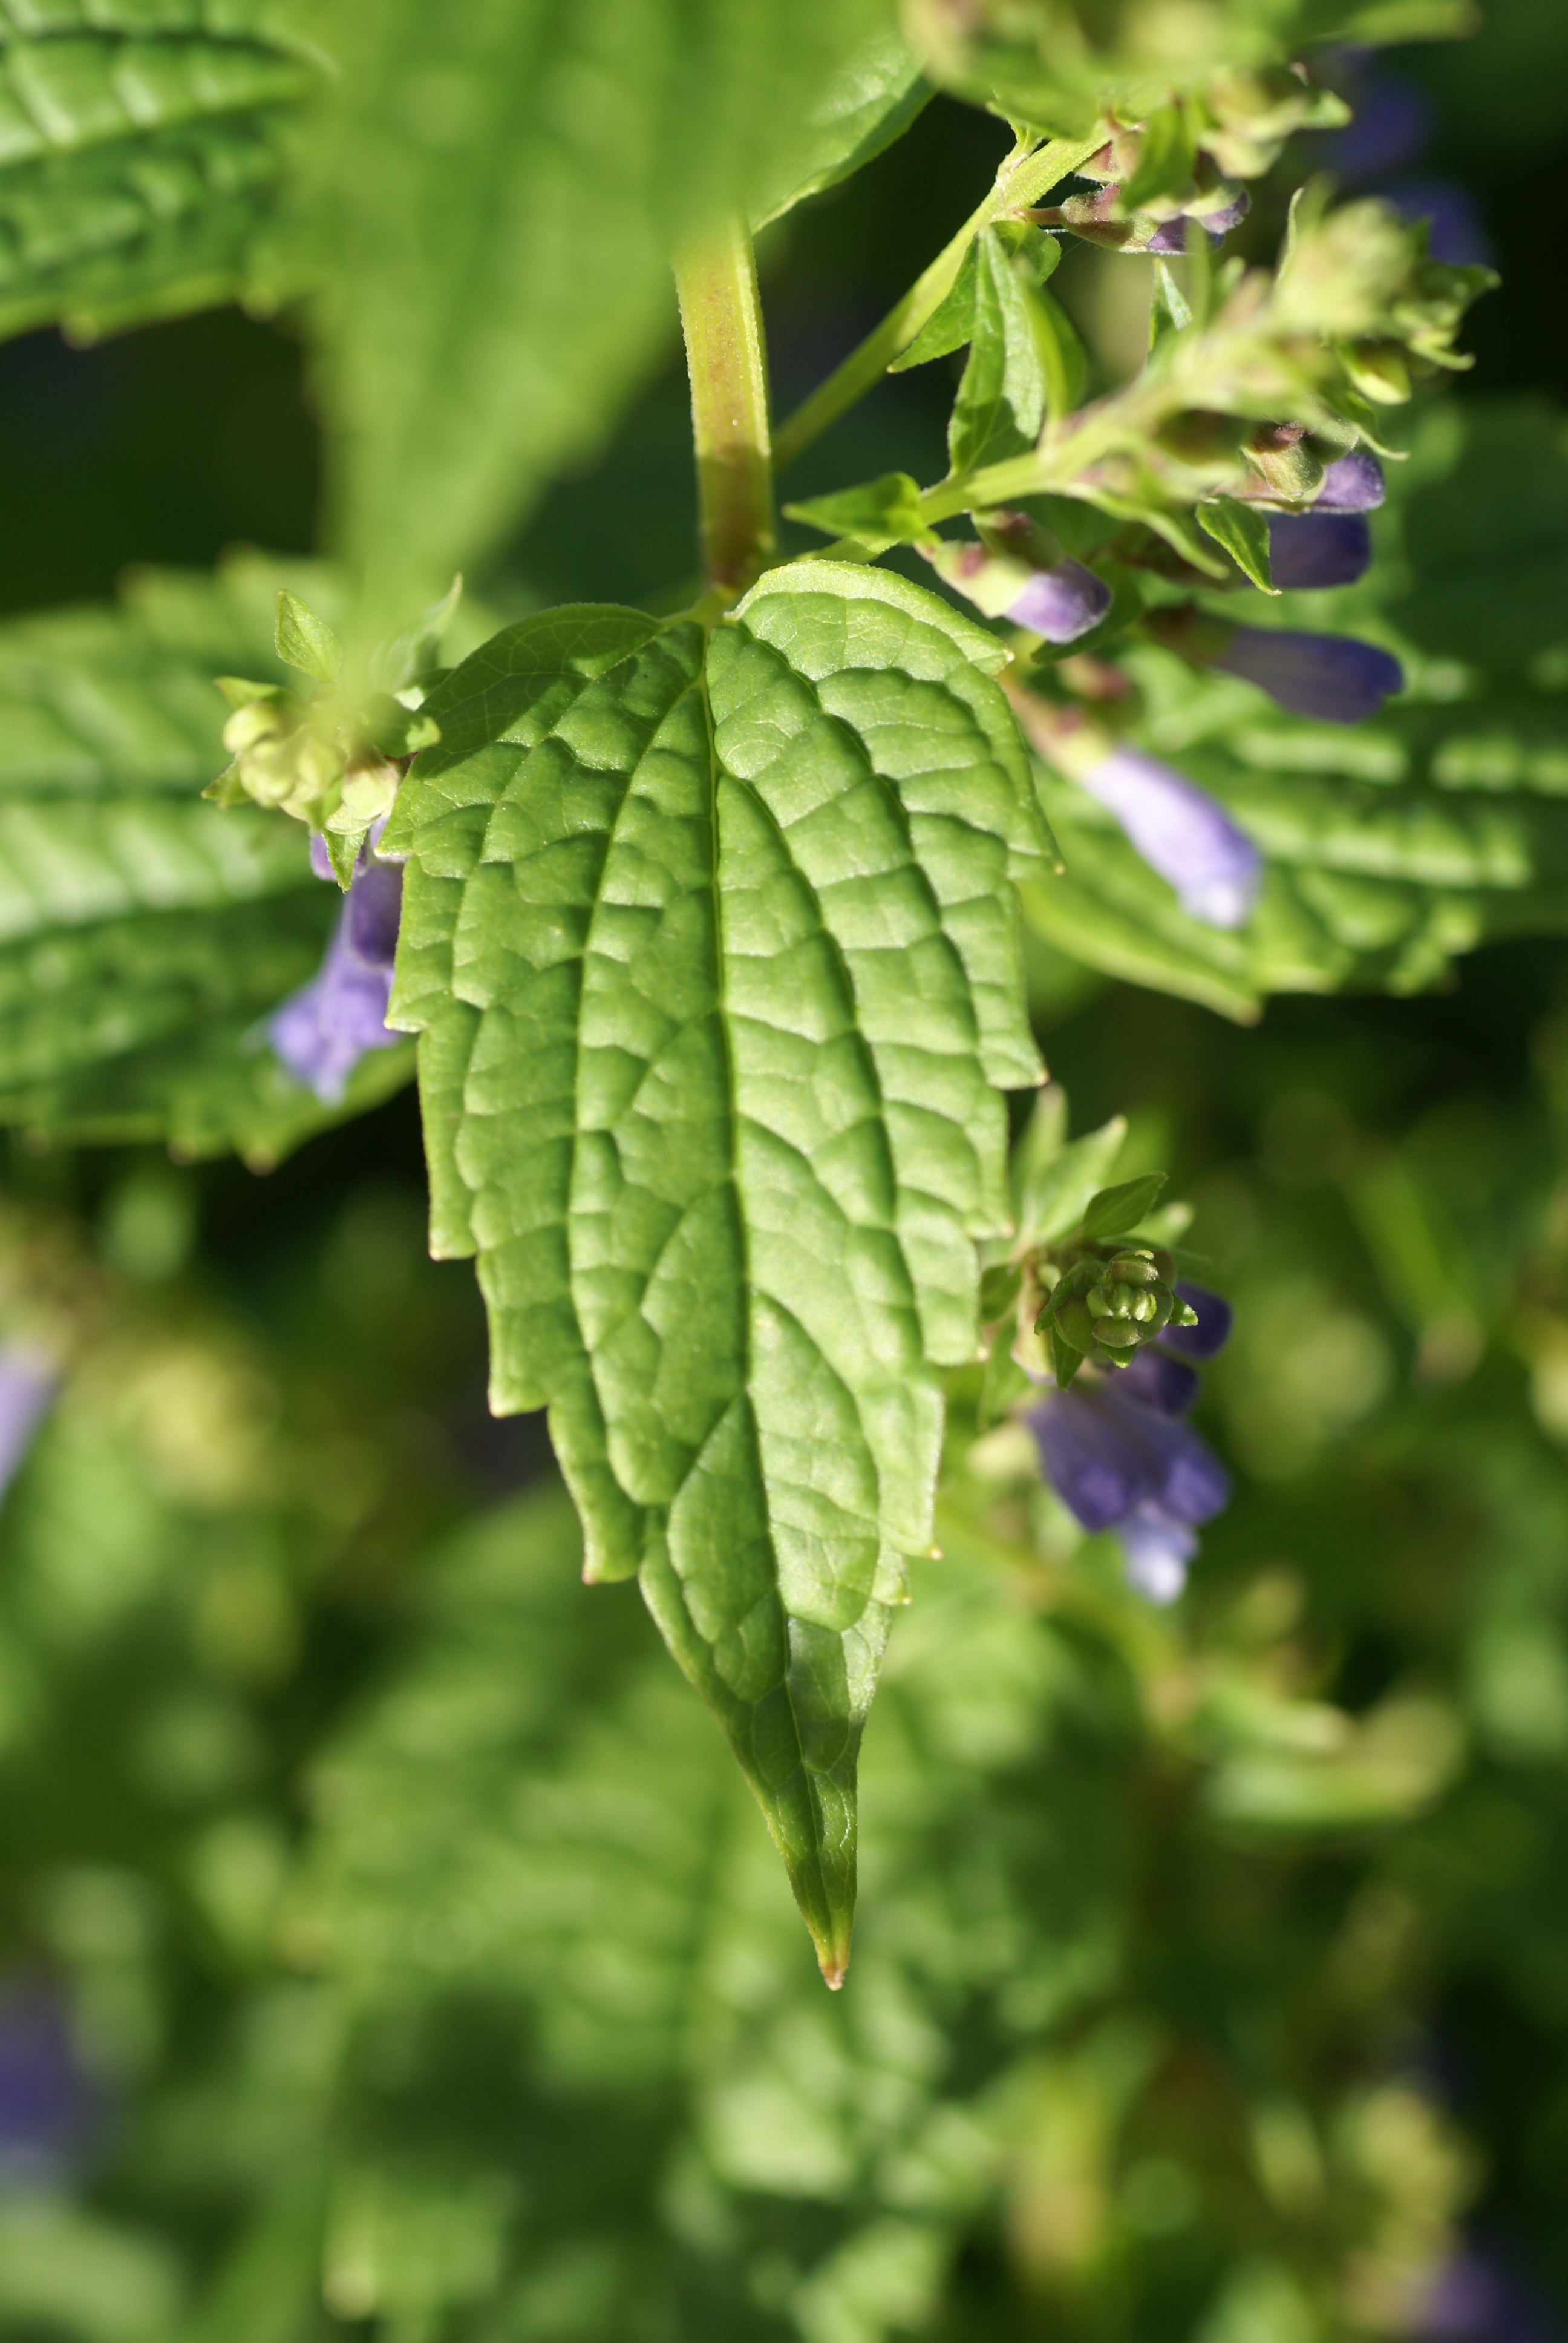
point(713, 954)
point(141, 155)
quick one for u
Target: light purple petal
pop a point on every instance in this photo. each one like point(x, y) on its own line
point(1213, 1331)
point(1333, 678)
point(1061, 603)
point(320, 857)
point(1170, 236)
point(26, 1386)
point(1105, 1456)
point(1352, 483)
point(1156, 1552)
point(1181, 832)
point(322, 1032)
point(1313, 550)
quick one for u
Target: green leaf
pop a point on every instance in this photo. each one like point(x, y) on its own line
point(143, 157)
point(1054, 1185)
point(1117, 1211)
point(863, 110)
point(880, 513)
point(1000, 404)
point(522, 276)
point(306, 642)
point(668, 905)
point(1243, 531)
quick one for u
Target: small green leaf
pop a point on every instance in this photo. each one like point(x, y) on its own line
point(1170, 311)
point(1060, 346)
point(1001, 401)
point(305, 641)
point(878, 514)
point(1056, 1196)
point(722, 1187)
point(1116, 1211)
point(1243, 531)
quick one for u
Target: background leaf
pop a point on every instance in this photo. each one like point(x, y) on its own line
point(864, 108)
point(144, 150)
point(522, 276)
point(838, 774)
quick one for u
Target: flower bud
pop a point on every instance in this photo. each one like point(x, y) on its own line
point(1279, 455)
point(1116, 1334)
point(1378, 370)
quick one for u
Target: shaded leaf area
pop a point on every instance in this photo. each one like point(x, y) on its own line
point(523, 277)
point(863, 109)
point(142, 156)
point(1394, 845)
point(145, 934)
point(669, 907)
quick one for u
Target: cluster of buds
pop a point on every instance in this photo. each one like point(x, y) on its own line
point(1108, 1303)
point(332, 762)
point(1017, 570)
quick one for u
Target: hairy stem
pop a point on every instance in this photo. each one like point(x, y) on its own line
point(1024, 179)
point(721, 319)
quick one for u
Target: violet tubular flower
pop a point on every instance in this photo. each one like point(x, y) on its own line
point(46, 2102)
point(26, 1386)
point(1061, 603)
point(1170, 235)
point(1116, 1451)
point(1333, 678)
point(322, 1032)
point(1331, 544)
point(1182, 833)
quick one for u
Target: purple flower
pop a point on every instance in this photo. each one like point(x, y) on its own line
point(46, 2101)
point(1311, 549)
point(1061, 603)
point(1332, 677)
point(1352, 483)
point(1172, 234)
point(1392, 123)
point(1453, 231)
point(1209, 1337)
point(1476, 2298)
point(1182, 833)
point(322, 1032)
point(26, 1386)
point(1114, 1449)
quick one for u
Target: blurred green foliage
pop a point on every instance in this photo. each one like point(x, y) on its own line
point(432, 1974)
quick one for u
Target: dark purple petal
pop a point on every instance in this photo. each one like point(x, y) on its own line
point(1312, 550)
point(1061, 603)
point(26, 1386)
point(1392, 123)
point(1105, 1456)
point(1453, 231)
point(1157, 1381)
point(1156, 1552)
point(45, 2099)
point(375, 907)
point(1172, 234)
point(1181, 832)
point(1213, 1331)
point(1352, 483)
point(1333, 677)
point(1098, 1470)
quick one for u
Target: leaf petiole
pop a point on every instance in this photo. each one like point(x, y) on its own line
point(721, 319)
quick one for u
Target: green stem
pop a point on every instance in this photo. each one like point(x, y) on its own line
point(1026, 179)
point(721, 318)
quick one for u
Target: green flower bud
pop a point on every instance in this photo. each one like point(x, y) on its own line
point(1133, 1269)
point(1116, 1334)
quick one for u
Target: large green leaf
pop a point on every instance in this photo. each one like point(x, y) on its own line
point(505, 186)
point(712, 948)
point(859, 115)
point(141, 154)
point(144, 935)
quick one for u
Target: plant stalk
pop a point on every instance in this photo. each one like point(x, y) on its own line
point(1026, 177)
point(721, 319)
